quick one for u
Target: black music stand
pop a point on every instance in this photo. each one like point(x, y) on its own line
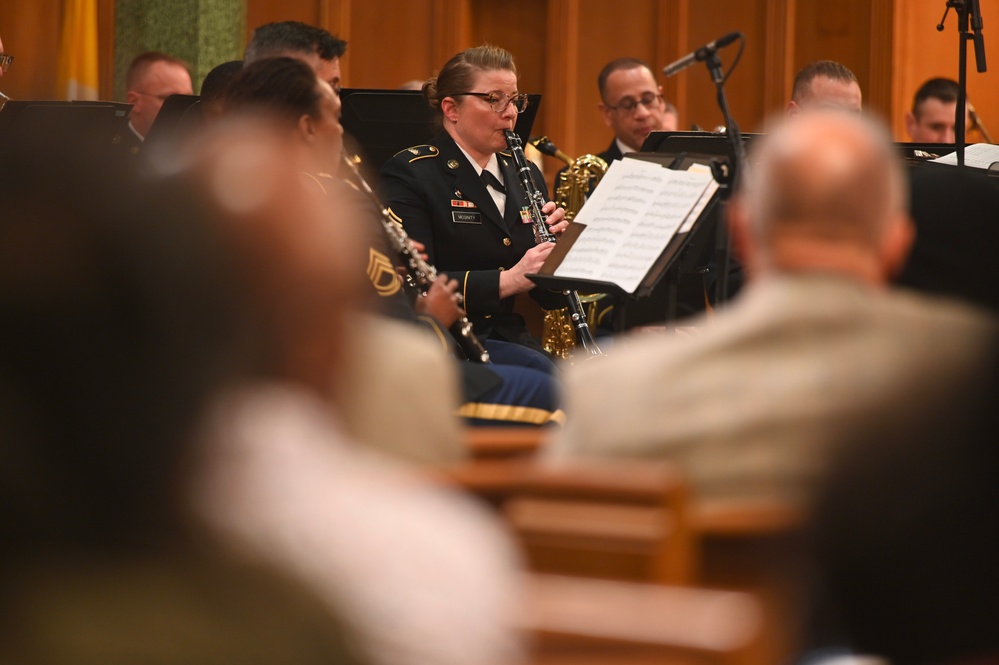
point(922, 152)
point(703, 147)
point(91, 124)
point(383, 122)
point(673, 287)
point(173, 120)
point(954, 253)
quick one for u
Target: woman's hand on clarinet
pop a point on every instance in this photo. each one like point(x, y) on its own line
point(515, 279)
point(557, 223)
point(441, 301)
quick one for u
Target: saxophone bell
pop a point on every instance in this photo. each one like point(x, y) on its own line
point(976, 123)
point(546, 147)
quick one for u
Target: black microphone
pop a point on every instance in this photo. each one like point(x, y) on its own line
point(700, 55)
point(975, 10)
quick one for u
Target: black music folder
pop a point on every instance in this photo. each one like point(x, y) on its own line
point(90, 124)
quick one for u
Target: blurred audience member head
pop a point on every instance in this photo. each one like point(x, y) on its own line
point(905, 531)
point(825, 84)
point(117, 324)
point(317, 47)
point(289, 92)
point(825, 193)
point(151, 78)
point(214, 86)
point(933, 117)
point(299, 263)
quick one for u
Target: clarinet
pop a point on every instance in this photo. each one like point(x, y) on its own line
point(543, 234)
point(420, 274)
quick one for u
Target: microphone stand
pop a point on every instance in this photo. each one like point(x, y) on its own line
point(968, 15)
point(727, 177)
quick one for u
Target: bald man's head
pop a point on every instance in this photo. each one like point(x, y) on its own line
point(825, 183)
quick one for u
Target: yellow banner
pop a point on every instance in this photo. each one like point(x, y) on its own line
point(78, 62)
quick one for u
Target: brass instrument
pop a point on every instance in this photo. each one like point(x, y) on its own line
point(577, 180)
point(420, 274)
point(576, 314)
point(572, 187)
point(976, 123)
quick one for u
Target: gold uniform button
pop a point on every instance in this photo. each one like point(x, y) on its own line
point(507, 242)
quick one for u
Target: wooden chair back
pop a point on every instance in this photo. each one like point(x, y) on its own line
point(610, 519)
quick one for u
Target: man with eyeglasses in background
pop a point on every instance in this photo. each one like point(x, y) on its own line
point(151, 78)
point(632, 105)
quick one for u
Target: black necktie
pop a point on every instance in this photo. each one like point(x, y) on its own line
point(490, 180)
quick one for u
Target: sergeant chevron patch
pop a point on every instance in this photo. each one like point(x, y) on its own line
point(382, 274)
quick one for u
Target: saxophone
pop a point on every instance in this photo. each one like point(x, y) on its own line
point(577, 180)
point(976, 123)
point(573, 186)
point(419, 274)
point(535, 200)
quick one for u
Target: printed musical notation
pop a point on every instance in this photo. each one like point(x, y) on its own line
point(630, 217)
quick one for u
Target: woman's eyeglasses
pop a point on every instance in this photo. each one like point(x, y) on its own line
point(498, 101)
point(5, 61)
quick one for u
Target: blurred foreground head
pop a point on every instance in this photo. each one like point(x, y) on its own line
point(298, 262)
point(906, 535)
point(824, 192)
point(117, 325)
point(287, 92)
point(127, 303)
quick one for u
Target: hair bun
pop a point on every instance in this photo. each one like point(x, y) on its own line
point(430, 92)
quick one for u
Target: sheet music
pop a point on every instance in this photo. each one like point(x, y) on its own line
point(977, 155)
point(630, 217)
point(705, 199)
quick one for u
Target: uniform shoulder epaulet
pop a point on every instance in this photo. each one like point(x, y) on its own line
point(418, 152)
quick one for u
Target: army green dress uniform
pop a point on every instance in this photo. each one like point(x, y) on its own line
point(435, 193)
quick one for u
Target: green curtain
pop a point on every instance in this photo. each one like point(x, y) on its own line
point(204, 33)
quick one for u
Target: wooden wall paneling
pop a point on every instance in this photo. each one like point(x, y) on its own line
point(561, 108)
point(386, 53)
point(335, 16)
point(453, 30)
point(878, 94)
point(30, 30)
point(839, 31)
point(521, 28)
point(745, 88)
point(673, 44)
point(778, 56)
point(105, 46)
point(606, 32)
